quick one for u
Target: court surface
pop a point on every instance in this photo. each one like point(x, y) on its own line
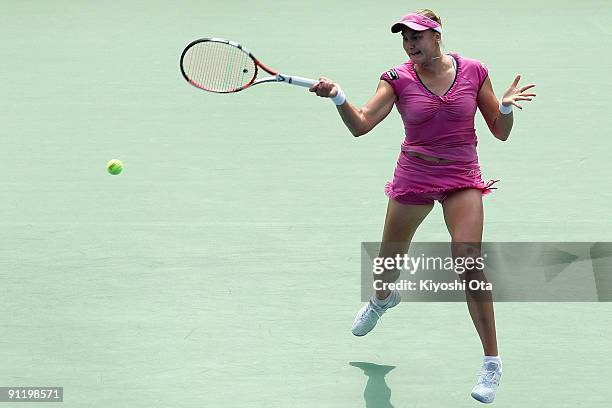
point(222, 267)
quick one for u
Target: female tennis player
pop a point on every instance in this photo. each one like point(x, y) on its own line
point(436, 95)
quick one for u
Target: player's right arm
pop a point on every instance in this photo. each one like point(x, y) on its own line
point(360, 120)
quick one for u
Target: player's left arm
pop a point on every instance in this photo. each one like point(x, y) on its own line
point(499, 124)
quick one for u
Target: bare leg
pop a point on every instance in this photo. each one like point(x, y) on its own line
point(401, 223)
point(464, 215)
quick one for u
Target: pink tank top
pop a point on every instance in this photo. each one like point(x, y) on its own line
point(440, 126)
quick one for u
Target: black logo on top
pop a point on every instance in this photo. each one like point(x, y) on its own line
point(392, 74)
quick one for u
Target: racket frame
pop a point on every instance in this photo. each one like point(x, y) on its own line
point(275, 75)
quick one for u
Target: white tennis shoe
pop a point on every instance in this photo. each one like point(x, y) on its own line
point(368, 315)
point(488, 381)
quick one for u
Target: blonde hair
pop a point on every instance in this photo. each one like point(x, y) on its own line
point(429, 14)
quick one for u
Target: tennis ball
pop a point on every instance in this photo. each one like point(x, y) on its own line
point(114, 167)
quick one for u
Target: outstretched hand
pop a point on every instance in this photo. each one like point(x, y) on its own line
point(324, 88)
point(516, 93)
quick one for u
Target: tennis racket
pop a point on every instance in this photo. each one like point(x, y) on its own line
point(223, 66)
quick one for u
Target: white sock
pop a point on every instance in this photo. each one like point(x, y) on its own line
point(495, 359)
point(382, 302)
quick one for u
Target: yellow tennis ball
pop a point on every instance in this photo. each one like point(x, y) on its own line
point(114, 167)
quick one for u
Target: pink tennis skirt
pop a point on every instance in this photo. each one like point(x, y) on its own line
point(418, 181)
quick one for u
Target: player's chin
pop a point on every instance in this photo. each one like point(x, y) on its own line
point(418, 57)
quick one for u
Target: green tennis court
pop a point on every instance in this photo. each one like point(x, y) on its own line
point(222, 267)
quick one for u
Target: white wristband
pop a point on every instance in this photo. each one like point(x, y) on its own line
point(340, 98)
point(505, 110)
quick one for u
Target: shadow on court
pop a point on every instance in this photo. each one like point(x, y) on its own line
point(376, 393)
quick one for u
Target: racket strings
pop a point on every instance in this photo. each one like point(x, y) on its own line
point(218, 67)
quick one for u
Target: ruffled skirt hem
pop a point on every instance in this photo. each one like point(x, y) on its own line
point(484, 188)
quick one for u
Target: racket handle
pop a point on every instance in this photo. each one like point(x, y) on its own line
point(295, 80)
